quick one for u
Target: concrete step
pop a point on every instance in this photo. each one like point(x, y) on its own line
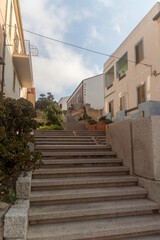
point(64, 148)
point(81, 162)
point(67, 143)
point(86, 195)
point(66, 137)
point(85, 171)
point(150, 237)
point(80, 154)
point(89, 132)
point(53, 133)
point(82, 182)
point(115, 228)
point(88, 211)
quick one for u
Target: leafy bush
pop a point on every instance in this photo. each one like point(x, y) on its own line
point(92, 122)
point(16, 124)
point(51, 127)
point(50, 110)
point(107, 121)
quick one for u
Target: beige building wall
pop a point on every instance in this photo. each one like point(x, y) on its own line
point(13, 87)
point(137, 74)
point(2, 22)
point(18, 74)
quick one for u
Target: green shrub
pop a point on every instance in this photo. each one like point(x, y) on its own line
point(16, 124)
point(91, 121)
point(51, 127)
point(107, 121)
point(50, 111)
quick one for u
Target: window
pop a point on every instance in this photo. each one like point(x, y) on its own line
point(109, 78)
point(10, 21)
point(141, 94)
point(139, 52)
point(122, 66)
point(111, 108)
point(14, 81)
point(122, 102)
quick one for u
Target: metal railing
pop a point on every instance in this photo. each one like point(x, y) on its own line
point(30, 50)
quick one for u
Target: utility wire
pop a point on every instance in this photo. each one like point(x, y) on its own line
point(79, 47)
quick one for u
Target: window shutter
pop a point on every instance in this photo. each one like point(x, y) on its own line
point(123, 102)
point(120, 103)
point(141, 51)
point(143, 97)
point(138, 95)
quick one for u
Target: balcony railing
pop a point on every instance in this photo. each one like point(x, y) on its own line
point(30, 50)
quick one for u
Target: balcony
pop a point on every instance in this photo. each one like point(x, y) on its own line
point(23, 64)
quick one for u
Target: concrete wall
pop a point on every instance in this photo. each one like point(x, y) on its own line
point(90, 91)
point(76, 97)
point(63, 102)
point(94, 92)
point(137, 141)
point(119, 136)
point(137, 74)
point(146, 148)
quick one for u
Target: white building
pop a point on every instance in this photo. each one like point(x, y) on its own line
point(90, 91)
point(63, 103)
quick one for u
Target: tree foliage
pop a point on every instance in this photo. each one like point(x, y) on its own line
point(16, 124)
point(50, 109)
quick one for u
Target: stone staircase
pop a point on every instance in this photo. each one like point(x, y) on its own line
point(70, 138)
point(83, 192)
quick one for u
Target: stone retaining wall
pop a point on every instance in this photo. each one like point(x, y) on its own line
point(137, 143)
point(3, 209)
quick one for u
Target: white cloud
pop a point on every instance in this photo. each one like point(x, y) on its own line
point(58, 68)
point(95, 34)
point(107, 3)
point(117, 28)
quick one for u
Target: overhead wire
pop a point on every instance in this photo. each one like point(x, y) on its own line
point(79, 47)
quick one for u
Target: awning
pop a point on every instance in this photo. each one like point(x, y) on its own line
point(23, 67)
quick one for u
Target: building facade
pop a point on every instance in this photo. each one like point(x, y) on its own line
point(132, 77)
point(16, 74)
point(63, 103)
point(90, 91)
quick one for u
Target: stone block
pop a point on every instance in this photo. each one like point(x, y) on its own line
point(146, 139)
point(153, 188)
point(23, 186)
point(16, 221)
point(1, 233)
point(119, 136)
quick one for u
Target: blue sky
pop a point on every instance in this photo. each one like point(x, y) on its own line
point(100, 25)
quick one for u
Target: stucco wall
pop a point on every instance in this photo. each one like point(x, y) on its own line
point(63, 102)
point(9, 66)
point(149, 31)
point(76, 97)
point(94, 92)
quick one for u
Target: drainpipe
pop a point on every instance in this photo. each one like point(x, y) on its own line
point(4, 49)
